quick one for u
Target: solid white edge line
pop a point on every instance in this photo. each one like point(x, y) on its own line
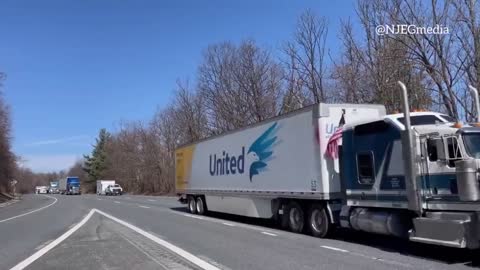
point(52, 244)
point(24, 214)
point(268, 233)
point(185, 254)
point(334, 248)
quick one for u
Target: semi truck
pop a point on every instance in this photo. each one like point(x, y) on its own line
point(411, 175)
point(53, 188)
point(70, 185)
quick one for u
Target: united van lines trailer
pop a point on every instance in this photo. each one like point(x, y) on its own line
point(270, 168)
point(408, 175)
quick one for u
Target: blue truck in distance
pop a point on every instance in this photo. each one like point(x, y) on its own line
point(70, 185)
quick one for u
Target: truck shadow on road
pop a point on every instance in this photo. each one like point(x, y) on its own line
point(404, 247)
point(386, 243)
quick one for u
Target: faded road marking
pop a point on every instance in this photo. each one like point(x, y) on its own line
point(150, 200)
point(41, 208)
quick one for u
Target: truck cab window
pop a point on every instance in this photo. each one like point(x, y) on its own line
point(454, 152)
point(365, 168)
point(432, 150)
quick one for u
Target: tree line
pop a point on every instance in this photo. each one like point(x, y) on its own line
point(237, 84)
point(240, 84)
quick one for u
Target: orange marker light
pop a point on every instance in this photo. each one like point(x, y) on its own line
point(457, 125)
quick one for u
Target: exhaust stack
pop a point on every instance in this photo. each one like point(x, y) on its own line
point(474, 93)
point(413, 195)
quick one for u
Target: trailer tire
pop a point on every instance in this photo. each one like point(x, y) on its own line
point(201, 206)
point(318, 223)
point(296, 217)
point(192, 205)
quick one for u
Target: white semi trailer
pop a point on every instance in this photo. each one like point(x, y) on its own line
point(408, 175)
point(271, 167)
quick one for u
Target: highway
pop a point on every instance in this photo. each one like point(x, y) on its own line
point(146, 232)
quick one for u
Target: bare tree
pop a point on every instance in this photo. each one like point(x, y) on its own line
point(308, 50)
point(7, 157)
point(468, 35)
point(368, 71)
point(190, 115)
point(239, 85)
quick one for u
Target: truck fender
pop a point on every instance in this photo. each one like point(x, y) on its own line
point(333, 210)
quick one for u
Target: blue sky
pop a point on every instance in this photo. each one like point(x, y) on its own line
point(74, 67)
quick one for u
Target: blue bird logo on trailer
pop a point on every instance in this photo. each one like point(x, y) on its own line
point(262, 151)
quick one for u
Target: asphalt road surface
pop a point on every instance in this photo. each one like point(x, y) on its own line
point(145, 232)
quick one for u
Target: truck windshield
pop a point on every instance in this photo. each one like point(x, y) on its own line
point(472, 144)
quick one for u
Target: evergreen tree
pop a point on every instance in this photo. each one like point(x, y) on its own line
point(95, 164)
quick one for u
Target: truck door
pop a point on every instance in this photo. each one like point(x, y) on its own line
point(442, 152)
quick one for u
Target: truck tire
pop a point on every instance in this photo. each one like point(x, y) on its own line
point(201, 206)
point(192, 205)
point(318, 223)
point(296, 217)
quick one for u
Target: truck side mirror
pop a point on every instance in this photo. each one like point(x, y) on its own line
point(440, 145)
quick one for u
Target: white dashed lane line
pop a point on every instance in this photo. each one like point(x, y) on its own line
point(150, 200)
point(116, 201)
point(192, 216)
point(143, 206)
point(231, 224)
point(336, 249)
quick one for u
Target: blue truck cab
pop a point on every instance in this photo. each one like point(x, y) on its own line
point(73, 186)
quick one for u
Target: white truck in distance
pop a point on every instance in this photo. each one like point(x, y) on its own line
point(114, 190)
point(41, 189)
point(102, 186)
point(414, 176)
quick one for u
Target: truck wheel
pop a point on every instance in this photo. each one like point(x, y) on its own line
point(318, 222)
point(201, 206)
point(192, 206)
point(296, 217)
